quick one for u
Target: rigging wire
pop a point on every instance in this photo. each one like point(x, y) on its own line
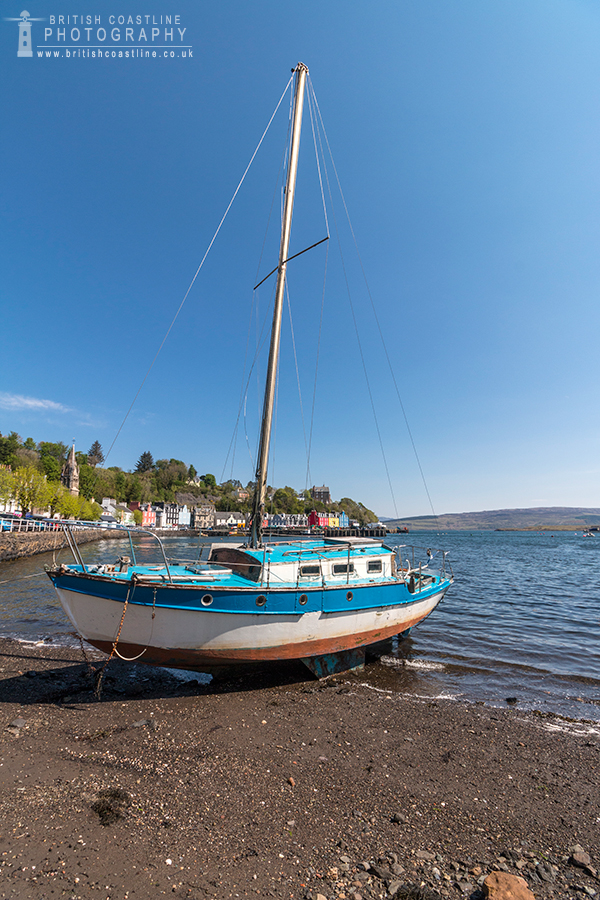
point(262, 338)
point(255, 300)
point(387, 355)
point(214, 237)
point(356, 329)
point(314, 397)
point(289, 306)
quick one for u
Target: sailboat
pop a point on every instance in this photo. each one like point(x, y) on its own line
point(322, 601)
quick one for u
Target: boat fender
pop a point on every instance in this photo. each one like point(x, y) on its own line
point(411, 584)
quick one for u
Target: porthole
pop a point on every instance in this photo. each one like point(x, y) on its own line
point(349, 596)
point(303, 599)
point(206, 600)
point(261, 600)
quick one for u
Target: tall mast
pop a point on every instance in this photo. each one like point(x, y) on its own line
point(258, 504)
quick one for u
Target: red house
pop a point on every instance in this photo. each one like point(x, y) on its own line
point(318, 518)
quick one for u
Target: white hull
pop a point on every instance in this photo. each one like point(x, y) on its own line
point(198, 637)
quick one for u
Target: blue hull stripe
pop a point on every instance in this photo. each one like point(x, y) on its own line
point(282, 601)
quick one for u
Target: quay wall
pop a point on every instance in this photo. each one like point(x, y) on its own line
point(15, 545)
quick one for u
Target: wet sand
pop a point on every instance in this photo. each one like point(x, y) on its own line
point(270, 784)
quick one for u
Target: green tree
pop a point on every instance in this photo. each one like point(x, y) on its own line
point(55, 494)
point(133, 489)
point(30, 489)
point(87, 481)
point(8, 448)
point(209, 480)
point(145, 463)
point(285, 500)
point(192, 473)
point(25, 456)
point(68, 506)
point(88, 512)
point(52, 457)
point(120, 485)
point(95, 454)
point(29, 444)
point(138, 516)
point(7, 483)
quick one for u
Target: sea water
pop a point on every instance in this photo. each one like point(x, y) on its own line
point(521, 623)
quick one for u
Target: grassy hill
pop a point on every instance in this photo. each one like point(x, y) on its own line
point(540, 518)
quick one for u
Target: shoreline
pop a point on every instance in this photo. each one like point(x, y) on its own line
point(273, 785)
point(19, 545)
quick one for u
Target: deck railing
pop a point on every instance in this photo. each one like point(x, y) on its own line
point(21, 525)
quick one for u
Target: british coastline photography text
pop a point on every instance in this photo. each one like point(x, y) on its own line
point(102, 35)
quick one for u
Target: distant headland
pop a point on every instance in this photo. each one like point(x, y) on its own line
point(538, 518)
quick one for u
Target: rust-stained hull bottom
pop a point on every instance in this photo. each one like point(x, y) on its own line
point(207, 660)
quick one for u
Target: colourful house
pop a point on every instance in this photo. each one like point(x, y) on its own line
point(148, 515)
point(320, 519)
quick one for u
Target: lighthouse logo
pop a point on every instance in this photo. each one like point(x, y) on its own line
point(25, 47)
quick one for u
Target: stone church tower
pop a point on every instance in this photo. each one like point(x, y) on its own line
point(69, 476)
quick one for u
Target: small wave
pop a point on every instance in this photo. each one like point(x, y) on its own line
point(423, 664)
point(580, 729)
point(56, 640)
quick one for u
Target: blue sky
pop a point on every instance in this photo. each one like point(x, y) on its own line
point(466, 136)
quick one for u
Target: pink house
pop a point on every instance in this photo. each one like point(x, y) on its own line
point(148, 515)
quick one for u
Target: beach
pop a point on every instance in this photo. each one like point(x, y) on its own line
point(271, 784)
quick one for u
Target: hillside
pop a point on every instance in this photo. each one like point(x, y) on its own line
point(539, 518)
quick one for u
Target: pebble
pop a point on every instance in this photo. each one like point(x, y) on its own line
point(398, 819)
point(424, 854)
point(579, 857)
point(545, 872)
point(381, 872)
point(18, 723)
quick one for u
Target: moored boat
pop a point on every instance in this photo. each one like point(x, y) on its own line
point(320, 601)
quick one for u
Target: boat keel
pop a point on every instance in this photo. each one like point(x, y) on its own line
point(334, 663)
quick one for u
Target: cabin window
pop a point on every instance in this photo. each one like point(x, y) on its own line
point(343, 568)
point(310, 570)
point(374, 565)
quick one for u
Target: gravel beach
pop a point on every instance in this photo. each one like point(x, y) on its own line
point(269, 784)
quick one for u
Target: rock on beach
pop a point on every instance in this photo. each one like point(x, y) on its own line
point(502, 886)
